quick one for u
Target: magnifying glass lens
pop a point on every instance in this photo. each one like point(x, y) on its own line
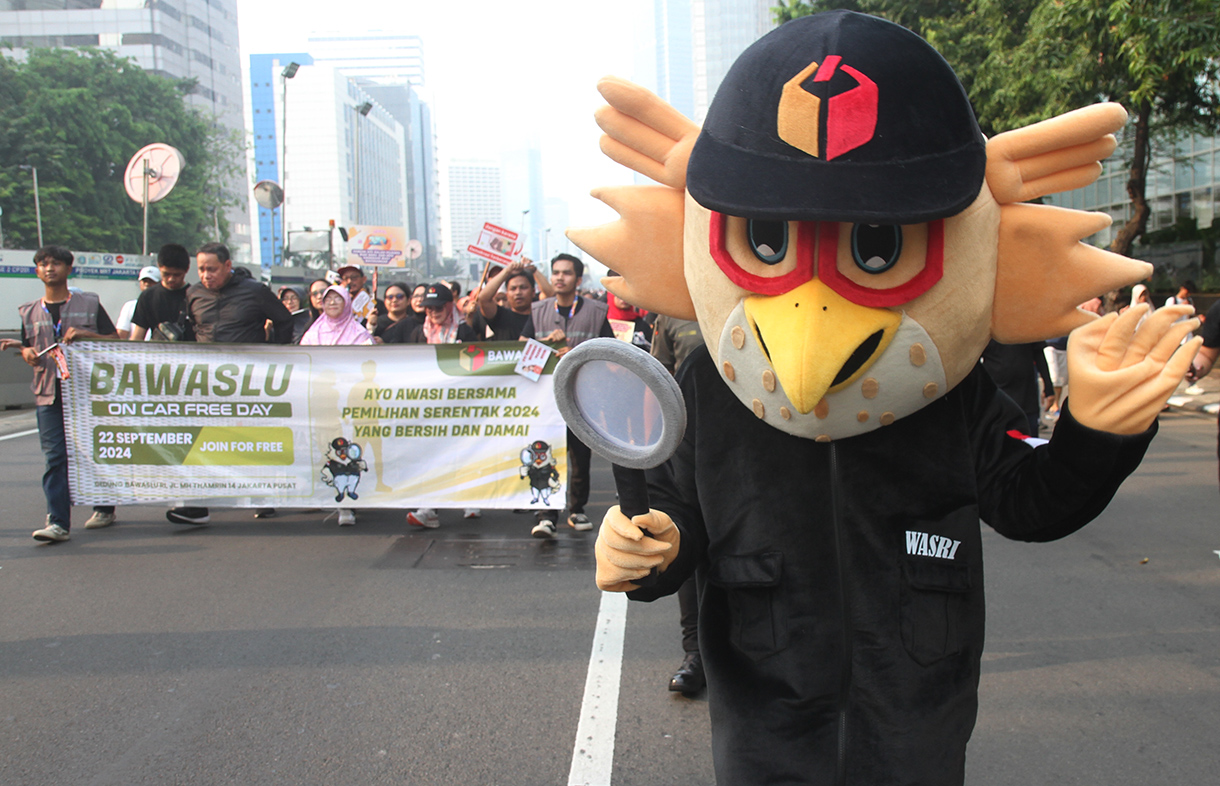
point(617, 404)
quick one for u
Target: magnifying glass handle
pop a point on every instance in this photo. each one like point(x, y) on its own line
point(632, 486)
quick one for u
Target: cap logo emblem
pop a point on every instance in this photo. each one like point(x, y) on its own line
point(851, 116)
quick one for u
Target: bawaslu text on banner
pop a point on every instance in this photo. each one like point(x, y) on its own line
point(259, 425)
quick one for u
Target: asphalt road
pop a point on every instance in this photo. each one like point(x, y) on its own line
point(289, 651)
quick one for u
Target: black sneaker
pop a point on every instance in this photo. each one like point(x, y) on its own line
point(188, 515)
point(264, 513)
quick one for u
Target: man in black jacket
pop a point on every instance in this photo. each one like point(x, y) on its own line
point(228, 306)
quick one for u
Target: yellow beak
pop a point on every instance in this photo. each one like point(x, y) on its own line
point(817, 341)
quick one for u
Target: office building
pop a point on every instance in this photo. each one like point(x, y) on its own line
point(697, 41)
point(337, 153)
point(390, 69)
point(177, 39)
point(475, 197)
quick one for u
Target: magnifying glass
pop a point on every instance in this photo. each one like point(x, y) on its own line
point(623, 404)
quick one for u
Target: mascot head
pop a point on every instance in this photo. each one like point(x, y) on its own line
point(538, 455)
point(849, 240)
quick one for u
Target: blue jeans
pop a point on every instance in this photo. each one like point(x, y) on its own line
point(55, 478)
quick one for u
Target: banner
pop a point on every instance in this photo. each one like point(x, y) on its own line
point(385, 426)
point(376, 245)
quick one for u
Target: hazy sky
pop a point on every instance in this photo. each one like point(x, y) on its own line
point(535, 61)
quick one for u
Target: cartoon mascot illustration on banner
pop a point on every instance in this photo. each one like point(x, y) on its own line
point(343, 468)
point(849, 243)
point(538, 465)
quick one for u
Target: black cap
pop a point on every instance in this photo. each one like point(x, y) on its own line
point(437, 295)
point(839, 117)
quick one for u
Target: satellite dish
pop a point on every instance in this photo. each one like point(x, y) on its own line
point(268, 194)
point(164, 164)
point(413, 249)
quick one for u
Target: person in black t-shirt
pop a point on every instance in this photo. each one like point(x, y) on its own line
point(162, 309)
point(506, 322)
point(397, 308)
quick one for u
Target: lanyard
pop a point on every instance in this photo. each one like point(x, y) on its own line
point(57, 325)
point(571, 309)
point(57, 353)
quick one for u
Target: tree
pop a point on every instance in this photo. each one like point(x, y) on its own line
point(79, 115)
point(1022, 61)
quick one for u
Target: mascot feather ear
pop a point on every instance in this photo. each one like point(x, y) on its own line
point(1043, 270)
point(644, 246)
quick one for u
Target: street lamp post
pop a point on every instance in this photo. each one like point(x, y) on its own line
point(289, 72)
point(37, 205)
point(361, 111)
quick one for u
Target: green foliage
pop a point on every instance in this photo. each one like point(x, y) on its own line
point(1026, 60)
point(79, 115)
point(1023, 61)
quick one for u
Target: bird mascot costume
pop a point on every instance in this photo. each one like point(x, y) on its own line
point(849, 243)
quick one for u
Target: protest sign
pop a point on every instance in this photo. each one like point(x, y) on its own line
point(376, 245)
point(260, 425)
point(496, 244)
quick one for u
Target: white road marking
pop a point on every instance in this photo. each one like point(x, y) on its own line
point(19, 434)
point(593, 754)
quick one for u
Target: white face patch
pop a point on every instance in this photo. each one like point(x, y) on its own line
point(905, 378)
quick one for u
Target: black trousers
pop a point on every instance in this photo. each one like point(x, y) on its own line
point(688, 606)
point(579, 455)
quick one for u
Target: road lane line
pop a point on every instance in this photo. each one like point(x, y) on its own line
point(19, 434)
point(593, 754)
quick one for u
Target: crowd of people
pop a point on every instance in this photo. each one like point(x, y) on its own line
point(228, 305)
point(515, 303)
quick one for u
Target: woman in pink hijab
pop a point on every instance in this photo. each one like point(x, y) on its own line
point(337, 326)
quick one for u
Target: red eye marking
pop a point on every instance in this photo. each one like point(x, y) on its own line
point(828, 270)
point(820, 240)
point(763, 285)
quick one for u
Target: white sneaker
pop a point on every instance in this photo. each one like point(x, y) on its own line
point(472, 513)
point(99, 520)
point(51, 532)
point(544, 529)
point(580, 522)
point(346, 517)
point(426, 518)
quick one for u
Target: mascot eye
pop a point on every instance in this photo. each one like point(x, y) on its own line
point(876, 247)
point(768, 240)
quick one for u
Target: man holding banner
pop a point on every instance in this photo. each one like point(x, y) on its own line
point(231, 307)
point(571, 318)
point(56, 319)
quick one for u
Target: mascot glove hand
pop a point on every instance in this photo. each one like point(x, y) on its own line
point(1119, 378)
point(625, 553)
